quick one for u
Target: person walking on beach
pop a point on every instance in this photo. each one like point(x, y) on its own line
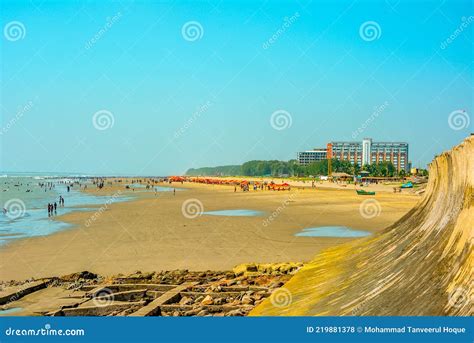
point(174, 191)
point(49, 209)
point(55, 207)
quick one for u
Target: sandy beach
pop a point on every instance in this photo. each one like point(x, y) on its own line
point(151, 233)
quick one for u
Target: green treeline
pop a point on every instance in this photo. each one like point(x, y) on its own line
point(292, 168)
point(215, 171)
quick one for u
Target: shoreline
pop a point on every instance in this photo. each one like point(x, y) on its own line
point(150, 233)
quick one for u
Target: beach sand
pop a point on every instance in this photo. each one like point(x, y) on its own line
point(151, 233)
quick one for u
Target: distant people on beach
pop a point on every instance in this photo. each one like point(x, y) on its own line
point(53, 207)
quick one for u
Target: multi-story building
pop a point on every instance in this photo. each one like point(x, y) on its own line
point(369, 152)
point(310, 156)
point(362, 153)
point(346, 151)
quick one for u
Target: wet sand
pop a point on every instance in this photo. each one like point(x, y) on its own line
point(151, 233)
point(421, 266)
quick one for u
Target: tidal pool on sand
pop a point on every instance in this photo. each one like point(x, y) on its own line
point(235, 213)
point(332, 231)
point(155, 188)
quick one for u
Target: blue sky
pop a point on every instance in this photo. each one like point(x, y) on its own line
point(177, 102)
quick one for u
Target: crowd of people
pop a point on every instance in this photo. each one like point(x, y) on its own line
point(53, 206)
point(47, 186)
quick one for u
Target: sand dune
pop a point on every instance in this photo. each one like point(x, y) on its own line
point(421, 265)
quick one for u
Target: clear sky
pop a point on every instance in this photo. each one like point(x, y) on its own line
point(192, 84)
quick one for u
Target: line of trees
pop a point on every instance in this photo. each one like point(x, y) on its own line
point(293, 168)
point(273, 168)
point(216, 171)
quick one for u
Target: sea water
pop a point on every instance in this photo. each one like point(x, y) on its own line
point(24, 194)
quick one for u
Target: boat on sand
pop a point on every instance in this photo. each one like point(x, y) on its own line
point(362, 192)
